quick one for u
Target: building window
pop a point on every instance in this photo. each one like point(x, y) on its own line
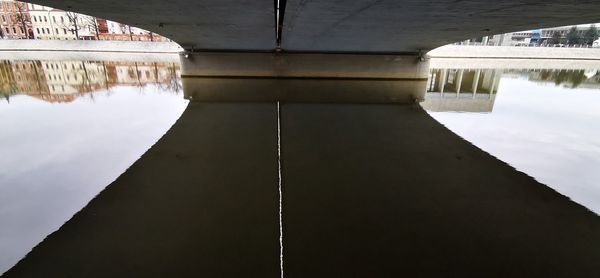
point(64, 31)
point(56, 29)
point(54, 19)
point(45, 19)
point(3, 18)
point(43, 31)
point(37, 30)
point(14, 30)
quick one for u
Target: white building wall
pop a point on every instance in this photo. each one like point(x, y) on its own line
point(115, 27)
point(54, 24)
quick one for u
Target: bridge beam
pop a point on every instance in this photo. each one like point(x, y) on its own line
point(305, 77)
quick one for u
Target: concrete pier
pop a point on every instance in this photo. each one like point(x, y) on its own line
point(304, 77)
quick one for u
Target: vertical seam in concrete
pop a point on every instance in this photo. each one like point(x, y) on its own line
point(280, 183)
point(279, 13)
point(277, 22)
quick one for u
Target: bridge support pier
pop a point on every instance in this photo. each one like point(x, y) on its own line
point(304, 77)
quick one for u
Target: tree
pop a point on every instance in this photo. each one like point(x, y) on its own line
point(590, 35)
point(77, 22)
point(556, 38)
point(92, 24)
point(72, 24)
point(130, 33)
point(577, 77)
point(22, 17)
point(573, 36)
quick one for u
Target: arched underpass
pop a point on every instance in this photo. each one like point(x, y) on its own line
point(368, 190)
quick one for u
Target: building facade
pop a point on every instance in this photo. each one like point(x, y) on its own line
point(110, 30)
point(20, 20)
point(15, 20)
point(557, 36)
point(54, 24)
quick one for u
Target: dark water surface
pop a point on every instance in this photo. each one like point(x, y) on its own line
point(68, 129)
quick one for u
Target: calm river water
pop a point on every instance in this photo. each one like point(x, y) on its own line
point(69, 128)
point(543, 122)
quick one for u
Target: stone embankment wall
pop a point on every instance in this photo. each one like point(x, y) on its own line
point(503, 52)
point(89, 46)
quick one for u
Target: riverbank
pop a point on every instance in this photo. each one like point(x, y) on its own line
point(90, 46)
point(511, 52)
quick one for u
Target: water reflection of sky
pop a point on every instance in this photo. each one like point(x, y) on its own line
point(61, 148)
point(545, 128)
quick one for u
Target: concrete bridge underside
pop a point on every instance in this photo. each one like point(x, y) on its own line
point(363, 26)
point(369, 190)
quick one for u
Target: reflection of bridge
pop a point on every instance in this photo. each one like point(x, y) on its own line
point(275, 189)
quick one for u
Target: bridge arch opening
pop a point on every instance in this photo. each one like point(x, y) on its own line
point(24, 20)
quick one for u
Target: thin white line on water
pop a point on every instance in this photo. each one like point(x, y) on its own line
point(280, 183)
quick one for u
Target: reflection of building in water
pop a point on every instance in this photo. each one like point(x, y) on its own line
point(140, 74)
point(30, 78)
point(468, 90)
point(7, 80)
point(64, 81)
point(76, 77)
